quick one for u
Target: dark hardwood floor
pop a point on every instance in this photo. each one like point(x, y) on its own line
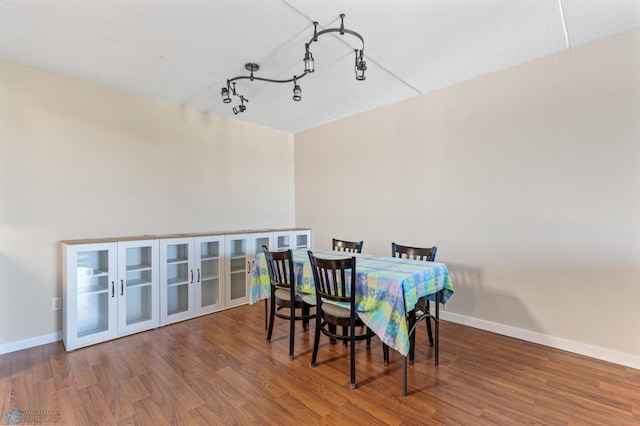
point(219, 369)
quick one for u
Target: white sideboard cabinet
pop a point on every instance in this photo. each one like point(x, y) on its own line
point(190, 277)
point(241, 253)
point(113, 287)
point(110, 289)
point(209, 261)
point(292, 239)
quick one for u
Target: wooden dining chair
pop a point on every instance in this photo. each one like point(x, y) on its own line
point(347, 246)
point(335, 282)
point(284, 296)
point(422, 310)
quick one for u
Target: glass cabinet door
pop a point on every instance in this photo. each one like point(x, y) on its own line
point(208, 274)
point(302, 239)
point(283, 241)
point(260, 241)
point(94, 292)
point(89, 283)
point(237, 270)
point(295, 239)
point(177, 279)
point(138, 288)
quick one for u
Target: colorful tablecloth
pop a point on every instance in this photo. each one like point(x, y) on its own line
point(387, 288)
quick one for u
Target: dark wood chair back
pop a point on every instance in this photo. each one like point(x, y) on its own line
point(347, 246)
point(280, 266)
point(335, 279)
point(416, 253)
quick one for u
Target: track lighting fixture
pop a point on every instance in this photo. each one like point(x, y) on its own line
point(297, 92)
point(240, 108)
point(309, 67)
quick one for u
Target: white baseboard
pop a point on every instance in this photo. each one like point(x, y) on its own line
point(620, 358)
point(5, 348)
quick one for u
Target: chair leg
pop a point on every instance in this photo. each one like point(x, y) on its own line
point(272, 314)
point(353, 355)
point(429, 332)
point(428, 321)
point(316, 337)
point(437, 320)
point(266, 311)
point(292, 329)
point(305, 313)
point(411, 320)
point(385, 353)
point(345, 330)
point(332, 329)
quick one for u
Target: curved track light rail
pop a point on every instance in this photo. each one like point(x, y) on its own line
point(309, 67)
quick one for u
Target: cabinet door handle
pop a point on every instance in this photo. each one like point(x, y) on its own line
point(113, 289)
point(121, 287)
point(198, 274)
point(248, 267)
point(192, 276)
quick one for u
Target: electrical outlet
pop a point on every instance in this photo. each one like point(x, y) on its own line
point(56, 304)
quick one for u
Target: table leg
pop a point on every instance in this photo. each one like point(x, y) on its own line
point(436, 345)
point(437, 342)
point(404, 376)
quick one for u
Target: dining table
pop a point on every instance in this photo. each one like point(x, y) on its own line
point(387, 289)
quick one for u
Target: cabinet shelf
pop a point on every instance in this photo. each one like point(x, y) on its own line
point(176, 281)
point(210, 278)
point(92, 289)
point(97, 273)
point(177, 261)
point(138, 283)
point(210, 257)
point(142, 267)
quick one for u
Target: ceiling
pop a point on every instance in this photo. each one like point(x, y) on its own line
point(183, 51)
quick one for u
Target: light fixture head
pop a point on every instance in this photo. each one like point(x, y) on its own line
point(361, 66)
point(225, 95)
point(360, 69)
point(240, 108)
point(297, 91)
point(309, 65)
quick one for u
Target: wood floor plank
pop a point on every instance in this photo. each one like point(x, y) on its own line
point(219, 369)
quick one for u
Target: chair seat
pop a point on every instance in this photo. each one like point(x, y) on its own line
point(285, 295)
point(335, 310)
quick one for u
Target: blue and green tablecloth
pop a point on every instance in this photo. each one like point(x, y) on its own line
point(387, 288)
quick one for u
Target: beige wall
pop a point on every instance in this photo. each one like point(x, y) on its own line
point(80, 161)
point(528, 180)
